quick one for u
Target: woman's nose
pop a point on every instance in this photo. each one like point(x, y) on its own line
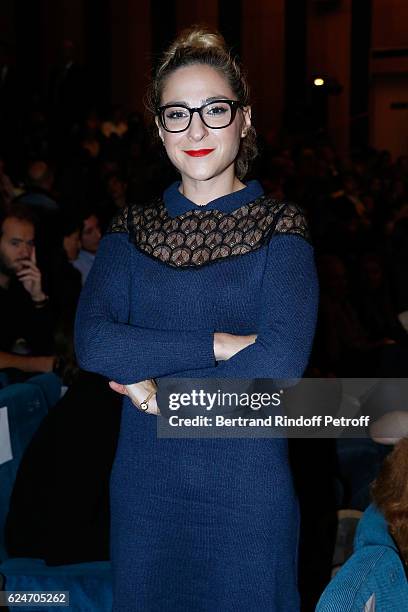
point(197, 129)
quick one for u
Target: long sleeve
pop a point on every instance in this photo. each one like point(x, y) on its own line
point(288, 312)
point(105, 342)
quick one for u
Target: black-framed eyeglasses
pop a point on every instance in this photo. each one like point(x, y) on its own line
point(216, 115)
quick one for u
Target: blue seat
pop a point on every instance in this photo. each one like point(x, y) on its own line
point(89, 584)
point(27, 404)
point(3, 380)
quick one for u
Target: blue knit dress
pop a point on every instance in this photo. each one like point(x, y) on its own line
point(200, 525)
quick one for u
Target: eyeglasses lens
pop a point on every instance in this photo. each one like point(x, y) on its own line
point(214, 115)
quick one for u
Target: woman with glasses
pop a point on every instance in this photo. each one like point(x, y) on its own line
point(215, 279)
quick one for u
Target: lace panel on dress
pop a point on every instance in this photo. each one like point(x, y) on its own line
point(200, 237)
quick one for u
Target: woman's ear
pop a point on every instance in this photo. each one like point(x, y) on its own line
point(246, 113)
point(159, 129)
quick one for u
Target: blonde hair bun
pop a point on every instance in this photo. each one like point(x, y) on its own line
point(198, 37)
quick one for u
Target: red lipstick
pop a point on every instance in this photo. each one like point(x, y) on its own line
point(198, 152)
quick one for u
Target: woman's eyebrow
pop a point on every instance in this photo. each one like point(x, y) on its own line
point(219, 97)
point(176, 103)
point(206, 101)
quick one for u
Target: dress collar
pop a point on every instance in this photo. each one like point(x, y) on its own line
point(177, 204)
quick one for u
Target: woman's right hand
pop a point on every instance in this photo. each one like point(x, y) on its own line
point(138, 392)
point(228, 345)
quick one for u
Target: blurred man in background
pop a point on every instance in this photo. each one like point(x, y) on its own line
point(90, 238)
point(26, 335)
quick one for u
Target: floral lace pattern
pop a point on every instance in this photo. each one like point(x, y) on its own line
point(200, 237)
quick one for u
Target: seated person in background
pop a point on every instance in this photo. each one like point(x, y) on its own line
point(116, 197)
point(116, 124)
point(26, 339)
point(374, 304)
point(375, 577)
point(390, 495)
point(90, 238)
point(40, 197)
point(65, 287)
point(7, 189)
point(346, 345)
point(40, 187)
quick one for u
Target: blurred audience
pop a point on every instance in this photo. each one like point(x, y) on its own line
point(90, 238)
point(66, 285)
point(7, 189)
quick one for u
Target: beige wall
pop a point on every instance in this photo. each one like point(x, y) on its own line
point(61, 19)
point(263, 57)
point(390, 23)
point(191, 12)
point(389, 127)
point(389, 77)
point(131, 52)
point(329, 52)
point(7, 28)
point(389, 31)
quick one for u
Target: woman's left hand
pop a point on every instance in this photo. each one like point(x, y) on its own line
point(138, 392)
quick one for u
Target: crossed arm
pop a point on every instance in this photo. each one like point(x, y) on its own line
point(280, 348)
point(225, 347)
